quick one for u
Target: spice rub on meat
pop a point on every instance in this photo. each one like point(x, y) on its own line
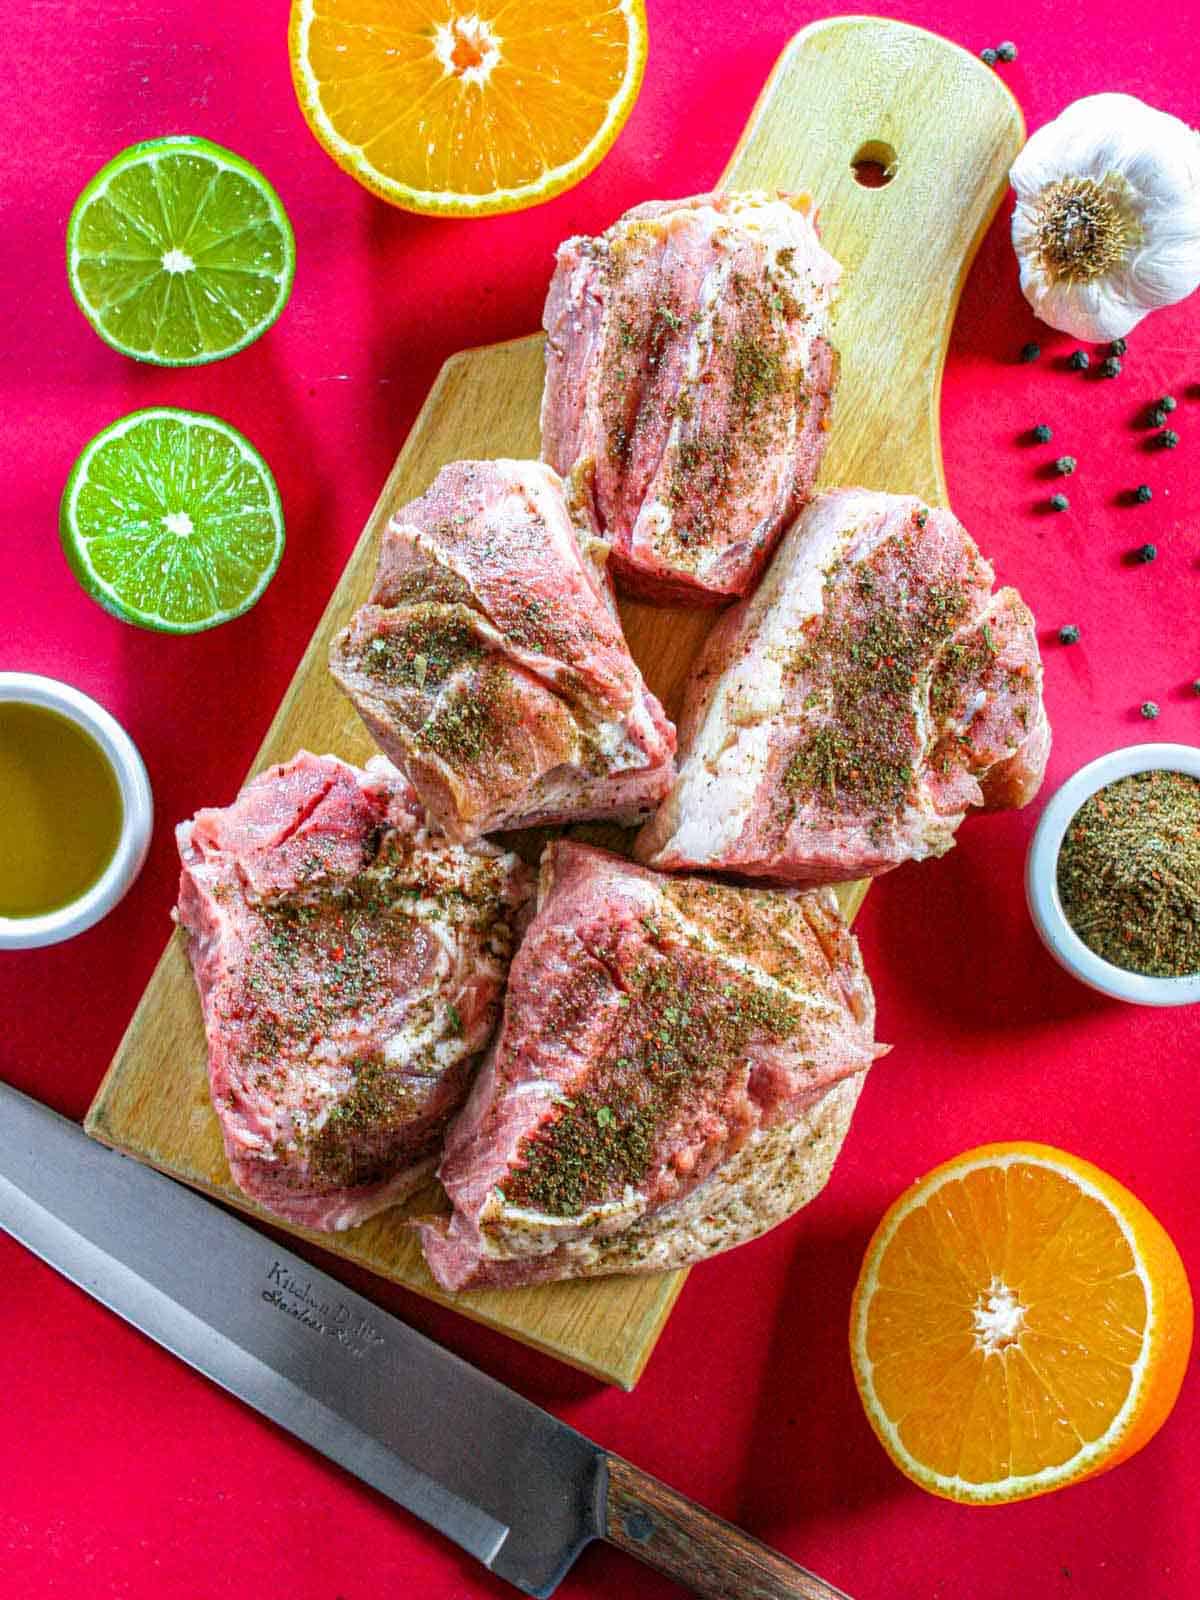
point(489, 662)
point(688, 362)
point(350, 966)
point(846, 718)
point(676, 1067)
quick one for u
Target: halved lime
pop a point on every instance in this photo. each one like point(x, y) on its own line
point(172, 521)
point(179, 252)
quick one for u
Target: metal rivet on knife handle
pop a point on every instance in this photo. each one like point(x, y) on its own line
point(711, 1557)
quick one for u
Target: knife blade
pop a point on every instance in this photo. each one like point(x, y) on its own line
point(519, 1490)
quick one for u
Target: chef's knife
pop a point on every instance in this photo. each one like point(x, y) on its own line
point(518, 1489)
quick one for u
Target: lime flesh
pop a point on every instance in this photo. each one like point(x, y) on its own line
point(172, 521)
point(179, 252)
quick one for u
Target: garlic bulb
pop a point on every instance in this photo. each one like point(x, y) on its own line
point(1107, 225)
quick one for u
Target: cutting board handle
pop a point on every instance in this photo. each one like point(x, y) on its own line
point(944, 130)
point(711, 1557)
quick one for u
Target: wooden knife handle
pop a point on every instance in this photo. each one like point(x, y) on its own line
point(711, 1557)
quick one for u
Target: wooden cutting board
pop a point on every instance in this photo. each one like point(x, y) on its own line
point(845, 92)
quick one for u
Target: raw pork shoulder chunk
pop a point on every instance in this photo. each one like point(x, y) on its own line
point(489, 663)
point(350, 968)
point(846, 718)
point(688, 364)
point(675, 1068)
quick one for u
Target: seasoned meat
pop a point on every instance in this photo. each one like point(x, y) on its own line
point(350, 966)
point(688, 366)
point(846, 718)
point(489, 663)
point(676, 1066)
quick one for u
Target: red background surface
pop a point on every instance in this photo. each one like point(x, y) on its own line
point(124, 1474)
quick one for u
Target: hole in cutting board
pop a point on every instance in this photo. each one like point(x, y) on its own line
point(874, 164)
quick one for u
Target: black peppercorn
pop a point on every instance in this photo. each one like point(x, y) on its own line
point(1068, 634)
point(1142, 493)
point(1059, 502)
point(1065, 465)
point(988, 56)
point(1167, 403)
point(1168, 439)
point(1157, 417)
point(1111, 367)
point(1006, 51)
point(1080, 361)
point(1147, 552)
point(1196, 685)
point(1042, 433)
point(1030, 351)
point(1118, 347)
point(1149, 710)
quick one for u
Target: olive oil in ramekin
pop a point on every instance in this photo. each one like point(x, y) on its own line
point(60, 810)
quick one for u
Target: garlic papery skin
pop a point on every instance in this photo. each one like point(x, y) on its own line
point(1107, 224)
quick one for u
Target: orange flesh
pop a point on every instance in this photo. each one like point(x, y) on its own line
point(520, 87)
point(1007, 1317)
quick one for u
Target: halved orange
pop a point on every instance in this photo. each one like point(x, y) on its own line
point(470, 108)
point(1021, 1322)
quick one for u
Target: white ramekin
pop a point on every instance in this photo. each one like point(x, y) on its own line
point(1041, 877)
point(137, 808)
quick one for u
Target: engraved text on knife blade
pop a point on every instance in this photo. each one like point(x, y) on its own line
point(295, 1298)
